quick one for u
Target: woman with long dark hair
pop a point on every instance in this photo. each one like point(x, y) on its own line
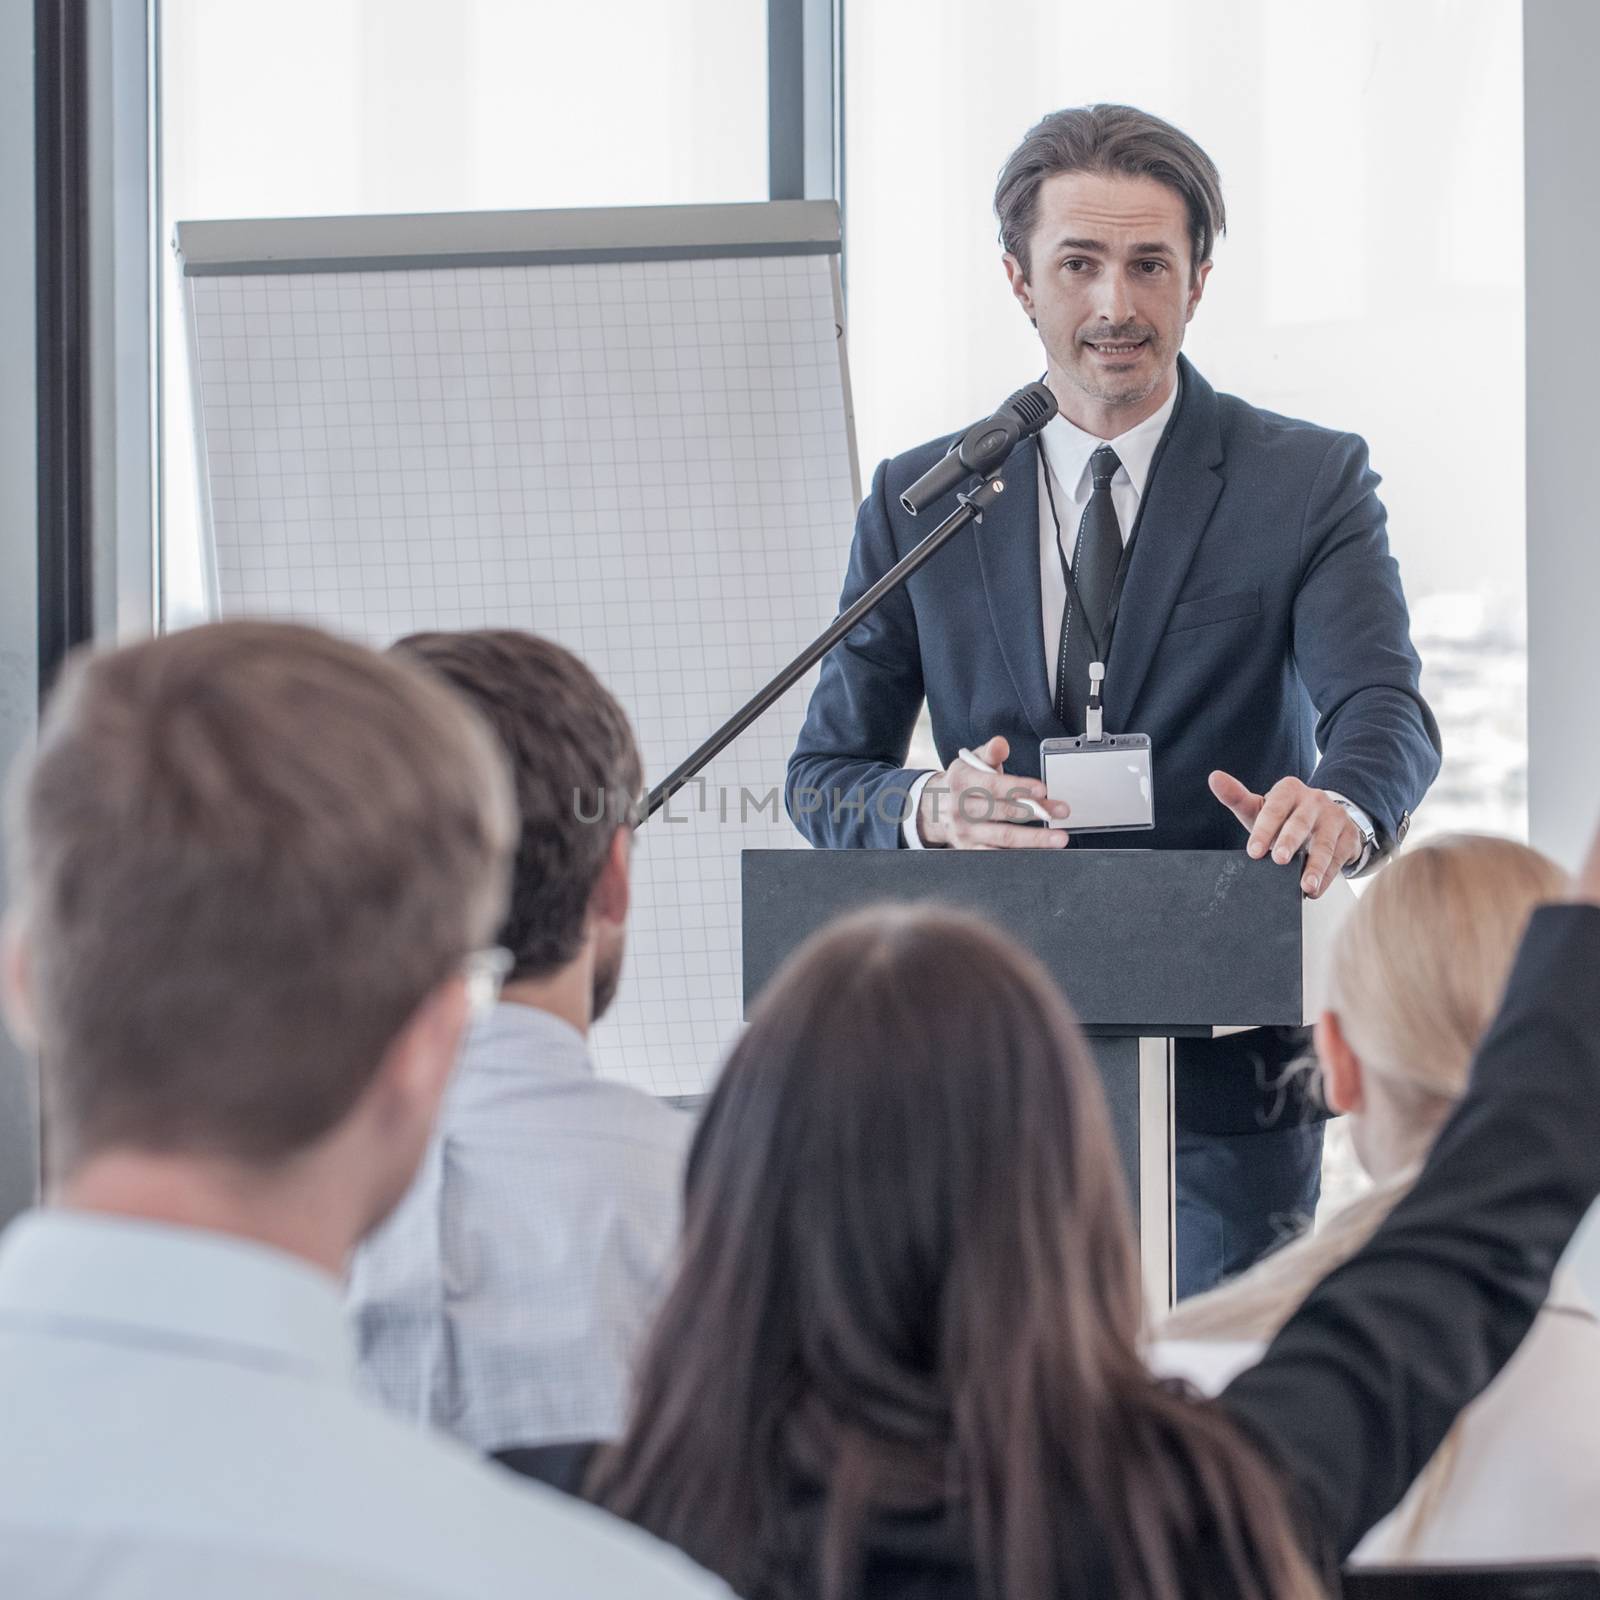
point(900, 1358)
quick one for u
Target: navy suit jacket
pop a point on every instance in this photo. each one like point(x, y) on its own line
point(1261, 621)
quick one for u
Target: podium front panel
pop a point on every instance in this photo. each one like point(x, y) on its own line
point(1141, 942)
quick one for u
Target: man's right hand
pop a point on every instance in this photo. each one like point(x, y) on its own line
point(965, 809)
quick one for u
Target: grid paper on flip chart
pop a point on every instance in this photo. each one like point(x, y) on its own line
point(647, 461)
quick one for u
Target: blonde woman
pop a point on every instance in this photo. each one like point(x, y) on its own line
point(1417, 975)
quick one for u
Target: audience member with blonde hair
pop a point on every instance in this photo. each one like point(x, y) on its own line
point(1416, 977)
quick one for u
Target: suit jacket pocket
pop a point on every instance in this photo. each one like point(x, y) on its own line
point(1211, 608)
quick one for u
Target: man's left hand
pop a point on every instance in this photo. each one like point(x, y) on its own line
point(1291, 817)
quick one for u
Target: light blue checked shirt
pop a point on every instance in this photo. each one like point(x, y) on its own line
point(180, 1424)
point(505, 1300)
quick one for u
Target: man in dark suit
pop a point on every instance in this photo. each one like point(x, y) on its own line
point(1227, 565)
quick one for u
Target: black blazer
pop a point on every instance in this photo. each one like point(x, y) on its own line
point(1261, 620)
point(1355, 1394)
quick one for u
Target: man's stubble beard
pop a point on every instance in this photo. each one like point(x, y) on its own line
point(1122, 397)
point(1080, 372)
point(607, 980)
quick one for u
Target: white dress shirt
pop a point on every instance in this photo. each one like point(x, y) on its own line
point(1524, 1484)
point(1064, 455)
point(179, 1422)
point(506, 1298)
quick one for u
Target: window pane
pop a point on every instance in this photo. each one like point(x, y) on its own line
point(336, 107)
point(1371, 157)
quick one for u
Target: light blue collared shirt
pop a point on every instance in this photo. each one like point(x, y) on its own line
point(179, 1423)
point(506, 1299)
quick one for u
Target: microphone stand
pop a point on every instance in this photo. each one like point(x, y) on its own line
point(970, 508)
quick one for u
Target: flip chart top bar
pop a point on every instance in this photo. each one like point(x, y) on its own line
point(421, 240)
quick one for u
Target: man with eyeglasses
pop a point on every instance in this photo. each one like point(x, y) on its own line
point(258, 868)
point(506, 1298)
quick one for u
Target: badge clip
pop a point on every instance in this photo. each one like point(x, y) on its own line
point(1093, 717)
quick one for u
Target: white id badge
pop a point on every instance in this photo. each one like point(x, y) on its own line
point(1106, 781)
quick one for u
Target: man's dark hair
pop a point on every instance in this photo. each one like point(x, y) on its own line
point(1108, 139)
point(574, 766)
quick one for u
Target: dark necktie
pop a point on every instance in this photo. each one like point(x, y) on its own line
point(1096, 556)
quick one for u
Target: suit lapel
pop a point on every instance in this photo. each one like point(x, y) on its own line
point(1008, 555)
point(1178, 502)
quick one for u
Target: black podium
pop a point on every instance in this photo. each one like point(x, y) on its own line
point(1147, 946)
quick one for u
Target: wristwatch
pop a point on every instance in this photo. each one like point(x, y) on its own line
point(1369, 835)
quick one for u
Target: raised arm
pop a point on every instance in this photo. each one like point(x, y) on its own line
point(1362, 1384)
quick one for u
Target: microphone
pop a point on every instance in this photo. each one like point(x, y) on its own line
point(983, 446)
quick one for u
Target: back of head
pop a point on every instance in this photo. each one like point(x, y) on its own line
point(1421, 963)
point(246, 853)
point(575, 771)
point(1416, 977)
point(908, 1280)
